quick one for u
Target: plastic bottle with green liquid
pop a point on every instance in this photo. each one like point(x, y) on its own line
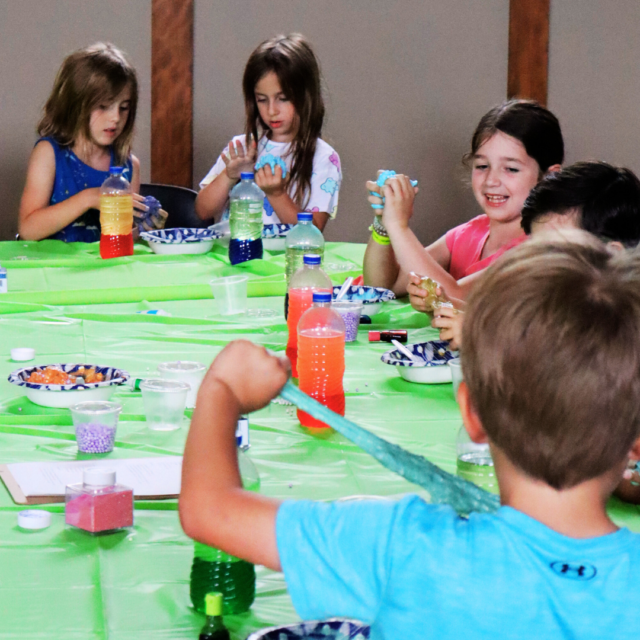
point(214, 628)
point(215, 571)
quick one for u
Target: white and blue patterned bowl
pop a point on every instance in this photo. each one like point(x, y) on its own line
point(274, 236)
point(62, 396)
point(181, 240)
point(434, 355)
point(333, 629)
point(372, 297)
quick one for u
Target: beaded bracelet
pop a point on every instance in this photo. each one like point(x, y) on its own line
point(379, 228)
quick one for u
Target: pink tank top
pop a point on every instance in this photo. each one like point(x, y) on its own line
point(465, 243)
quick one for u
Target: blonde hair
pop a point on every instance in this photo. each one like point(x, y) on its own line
point(552, 357)
point(87, 78)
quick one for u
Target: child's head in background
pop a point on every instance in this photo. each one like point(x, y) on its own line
point(89, 83)
point(513, 146)
point(595, 196)
point(551, 359)
point(283, 99)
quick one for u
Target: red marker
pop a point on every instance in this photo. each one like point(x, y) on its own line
point(387, 336)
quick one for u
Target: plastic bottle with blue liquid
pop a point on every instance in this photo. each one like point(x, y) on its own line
point(245, 220)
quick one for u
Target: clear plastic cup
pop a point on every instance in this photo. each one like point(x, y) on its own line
point(230, 293)
point(456, 374)
point(96, 424)
point(184, 371)
point(350, 312)
point(164, 403)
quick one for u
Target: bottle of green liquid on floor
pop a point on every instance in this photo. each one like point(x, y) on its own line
point(216, 571)
point(214, 628)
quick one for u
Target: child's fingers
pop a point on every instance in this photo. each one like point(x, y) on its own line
point(373, 186)
point(416, 290)
point(374, 199)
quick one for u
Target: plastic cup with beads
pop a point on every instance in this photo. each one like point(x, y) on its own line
point(350, 312)
point(96, 424)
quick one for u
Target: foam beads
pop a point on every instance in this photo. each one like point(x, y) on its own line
point(381, 181)
point(272, 161)
point(443, 487)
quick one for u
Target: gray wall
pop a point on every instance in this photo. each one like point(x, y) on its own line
point(594, 78)
point(406, 83)
point(35, 36)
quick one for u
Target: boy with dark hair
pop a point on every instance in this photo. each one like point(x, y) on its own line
point(594, 196)
point(551, 361)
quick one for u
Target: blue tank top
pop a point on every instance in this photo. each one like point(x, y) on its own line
point(73, 176)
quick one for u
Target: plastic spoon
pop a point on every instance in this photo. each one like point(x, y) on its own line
point(400, 347)
point(344, 288)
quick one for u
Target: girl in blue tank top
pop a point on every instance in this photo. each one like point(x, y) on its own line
point(87, 126)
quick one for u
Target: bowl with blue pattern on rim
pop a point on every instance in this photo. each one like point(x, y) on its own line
point(432, 367)
point(372, 298)
point(181, 240)
point(274, 236)
point(331, 629)
point(62, 396)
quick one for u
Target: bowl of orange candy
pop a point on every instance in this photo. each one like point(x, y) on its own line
point(62, 385)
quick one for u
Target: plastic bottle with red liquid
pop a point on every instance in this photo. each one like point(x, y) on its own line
point(321, 357)
point(116, 216)
point(304, 283)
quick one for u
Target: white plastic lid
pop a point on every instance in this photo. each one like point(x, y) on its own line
point(99, 477)
point(23, 354)
point(34, 519)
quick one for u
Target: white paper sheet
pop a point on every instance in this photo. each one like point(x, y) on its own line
point(148, 477)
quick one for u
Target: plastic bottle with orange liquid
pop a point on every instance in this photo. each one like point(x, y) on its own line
point(321, 357)
point(303, 284)
point(116, 216)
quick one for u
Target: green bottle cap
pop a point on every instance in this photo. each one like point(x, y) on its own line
point(213, 604)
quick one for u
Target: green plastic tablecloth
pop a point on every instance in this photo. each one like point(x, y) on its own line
point(71, 306)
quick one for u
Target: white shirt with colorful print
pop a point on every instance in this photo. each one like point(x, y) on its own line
point(325, 178)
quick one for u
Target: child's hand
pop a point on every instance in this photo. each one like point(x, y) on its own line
point(449, 321)
point(417, 295)
point(399, 195)
point(238, 160)
point(251, 373)
point(271, 183)
point(372, 186)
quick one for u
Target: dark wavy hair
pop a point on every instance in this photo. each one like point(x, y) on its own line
point(527, 121)
point(604, 198)
point(292, 59)
point(87, 78)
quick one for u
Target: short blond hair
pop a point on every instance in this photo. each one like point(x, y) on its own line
point(552, 357)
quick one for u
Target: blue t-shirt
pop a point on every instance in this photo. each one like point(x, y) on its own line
point(73, 176)
point(414, 570)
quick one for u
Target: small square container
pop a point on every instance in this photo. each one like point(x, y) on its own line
point(350, 312)
point(98, 504)
point(96, 424)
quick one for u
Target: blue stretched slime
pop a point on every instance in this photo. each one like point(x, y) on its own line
point(443, 487)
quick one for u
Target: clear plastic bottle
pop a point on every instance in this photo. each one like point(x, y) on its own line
point(214, 628)
point(321, 357)
point(245, 220)
point(304, 239)
point(116, 216)
point(474, 462)
point(213, 570)
point(305, 281)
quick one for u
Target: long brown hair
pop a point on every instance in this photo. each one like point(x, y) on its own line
point(87, 78)
point(292, 59)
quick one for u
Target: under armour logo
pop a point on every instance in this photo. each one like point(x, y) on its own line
point(574, 571)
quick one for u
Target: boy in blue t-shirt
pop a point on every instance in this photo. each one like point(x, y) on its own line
point(551, 363)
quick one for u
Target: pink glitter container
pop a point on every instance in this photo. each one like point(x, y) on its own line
point(98, 504)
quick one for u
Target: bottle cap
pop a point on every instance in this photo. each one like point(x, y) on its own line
point(321, 297)
point(116, 170)
point(99, 477)
point(246, 175)
point(305, 217)
point(311, 259)
point(213, 604)
point(23, 354)
point(374, 336)
point(34, 519)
